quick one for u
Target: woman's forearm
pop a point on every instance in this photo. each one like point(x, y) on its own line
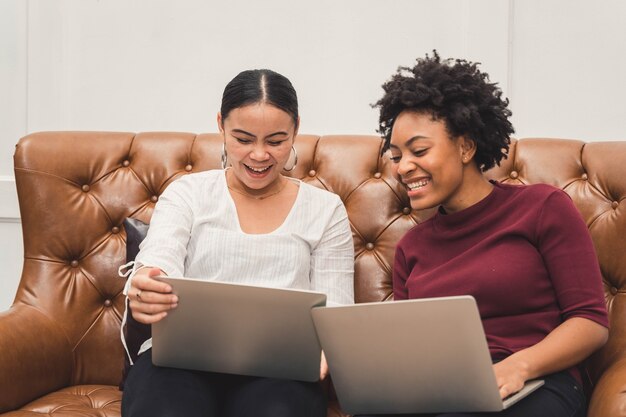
point(567, 345)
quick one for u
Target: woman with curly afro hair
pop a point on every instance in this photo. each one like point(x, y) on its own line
point(523, 252)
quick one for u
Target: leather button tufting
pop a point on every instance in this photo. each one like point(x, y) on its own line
point(369, 246)
point(514, 174)
point(613, 290)
point(188, 168)
point(312, 173)
point(85, 188)
point(406, 210)
point(115, 230)
point(108, 303)
point(154, 198)
point(615, 204)
point(74, 263)
point(585, 176)
point(126, 163)
point(378, 175)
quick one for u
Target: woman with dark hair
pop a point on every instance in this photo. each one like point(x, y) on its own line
point(295, 236)
point(523, 252)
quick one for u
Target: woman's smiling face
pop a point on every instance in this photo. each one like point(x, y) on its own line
point(258, 140)
point(428, 161)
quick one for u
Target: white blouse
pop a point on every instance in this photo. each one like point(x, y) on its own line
point(194, 232)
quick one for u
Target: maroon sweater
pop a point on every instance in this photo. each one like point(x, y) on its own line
point(524, 253)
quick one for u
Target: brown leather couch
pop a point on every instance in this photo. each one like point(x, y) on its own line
point(60, 353)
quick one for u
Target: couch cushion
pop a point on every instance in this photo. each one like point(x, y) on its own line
point(136, 231)
point(76, 401)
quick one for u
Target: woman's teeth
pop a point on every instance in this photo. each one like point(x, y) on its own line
point(416, 185)
point(259, 170)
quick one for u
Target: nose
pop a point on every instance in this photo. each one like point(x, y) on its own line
point(259, 153)
point(404, 167)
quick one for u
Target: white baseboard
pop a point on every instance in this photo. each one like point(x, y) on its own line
point(11, 256)
point(9, 208)
point(11, 248)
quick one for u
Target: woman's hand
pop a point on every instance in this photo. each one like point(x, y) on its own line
point(150, 299)
point(511, 374)
point(565, 346)
point(323, 367)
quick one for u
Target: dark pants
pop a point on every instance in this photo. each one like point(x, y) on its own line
point(560, 396)
point(155, 391)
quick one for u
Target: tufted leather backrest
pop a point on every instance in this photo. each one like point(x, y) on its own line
point(76, 188)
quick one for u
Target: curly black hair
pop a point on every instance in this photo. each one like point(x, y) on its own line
point(456, 92)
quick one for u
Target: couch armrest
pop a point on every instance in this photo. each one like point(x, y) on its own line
point(609, 395)
point(35, 356)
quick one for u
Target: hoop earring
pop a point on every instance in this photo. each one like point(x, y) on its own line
point(293, 155)
point(224, 156)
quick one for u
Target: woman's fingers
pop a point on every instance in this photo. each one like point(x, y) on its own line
point(509, 389)
point(509, 376)
point(150, 299)
point(146, 281)
point(150, 308)
point(148, 318)
point(323, 367)
point(149, 313)
point(145, 288)
point(505, 391)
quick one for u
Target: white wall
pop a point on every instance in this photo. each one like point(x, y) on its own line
point(137, 65)
point(568, 69)
point(13, 124)
point(160, 64)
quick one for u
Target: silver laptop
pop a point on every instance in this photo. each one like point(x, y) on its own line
point(414, 356)
point(239, 329)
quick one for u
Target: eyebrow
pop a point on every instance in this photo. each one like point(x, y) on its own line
point(410, 141)
point(254, 136)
